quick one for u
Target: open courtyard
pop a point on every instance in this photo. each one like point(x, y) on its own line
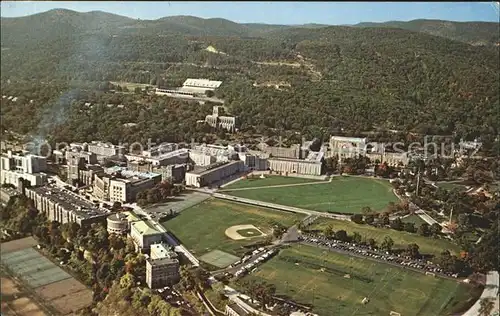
point(427, 245)
point(342, 195)
point(202, 228)
point(336, 284)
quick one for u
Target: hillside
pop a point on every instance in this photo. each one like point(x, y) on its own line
point(342, 78)
point(475, 33)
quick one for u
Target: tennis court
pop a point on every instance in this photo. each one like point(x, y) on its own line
point(33, 268)
point(218, 258)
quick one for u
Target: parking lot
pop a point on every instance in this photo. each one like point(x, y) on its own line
point(176, 204)
point(352, 249)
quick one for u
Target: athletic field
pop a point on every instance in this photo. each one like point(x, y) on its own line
point(342, 194)
point(256, 182)
point(202, 227)
point(336, 284)
point(401, 239)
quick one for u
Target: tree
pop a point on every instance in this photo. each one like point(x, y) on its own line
point(369, 219)
point(357, 218)
point(371, 242)
point(435, 229)
point(424, 229)
point(384, 219)
point(409, 227)
point(127, 281)
point(487, 305)
point(116, 206)
point(412, 251)
point(341, 235)
point(397, 224)
point(356, 238)
point(387, 244)
point(328, 232)
point(209, 93)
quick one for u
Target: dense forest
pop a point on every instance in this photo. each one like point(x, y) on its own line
point(342, 79)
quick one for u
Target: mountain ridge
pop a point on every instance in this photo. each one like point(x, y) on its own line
point(475, 33)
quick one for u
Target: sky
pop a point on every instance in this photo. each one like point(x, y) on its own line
point(333, 13)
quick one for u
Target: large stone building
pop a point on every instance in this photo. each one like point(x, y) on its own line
point(178, 156)
point(191, 88)
point(293, 152)
point(162, 272)
point(162, 268)
point(120, 223)
point(144, 235)
point(298, 166)
point(103, 150)
point(121, 185)
point(20, 165)
point(206, 176)
point(65, 206)
point(77, 161)
point(221, 121)
point(392, 159)
point(347, 147)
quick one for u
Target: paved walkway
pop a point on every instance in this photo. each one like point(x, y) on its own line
point(490, 291)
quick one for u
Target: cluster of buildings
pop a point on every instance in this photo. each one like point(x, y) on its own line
point(22, 165)
point(202, 88)
point(191, 88)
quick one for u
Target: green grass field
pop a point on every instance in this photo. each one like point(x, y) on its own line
point(316, 277)
point(415, 219)
point(202, 227)
point(343, 194)
point(451, 186)
point(401, 239)
point(268, 180)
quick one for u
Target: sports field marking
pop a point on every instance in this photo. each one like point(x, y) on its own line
point(233, 232)
point(305, 286)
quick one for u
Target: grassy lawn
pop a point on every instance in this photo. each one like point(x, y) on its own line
point(401, 239)
point(451, 186)
point(268, 180)
point(415, 219)
point(316, 277)
point(343, 194)
point(202, 227)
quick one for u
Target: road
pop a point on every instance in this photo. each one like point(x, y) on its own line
point(490, 291)
point(420, 212)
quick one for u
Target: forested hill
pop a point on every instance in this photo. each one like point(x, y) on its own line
point(62, 20)
point(474, 33)
point(340, 78)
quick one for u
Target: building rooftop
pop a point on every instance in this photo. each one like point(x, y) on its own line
point(349, 139)
point(162, 261)
point(162, 156)
point(202, 83)
point(70, 201)
point(296, 160)
point(126, 174)
point(315, 156)
point(163, 250)
point(123, 217)
point(213, 167)
point(144, 229)
point(239, 310)
point(103, 144)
